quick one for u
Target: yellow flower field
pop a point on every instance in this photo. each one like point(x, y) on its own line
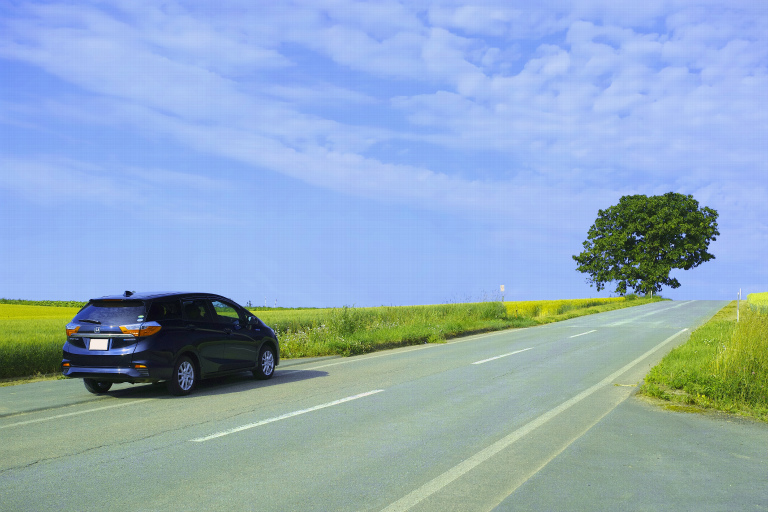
point(24, 312)
point(545, 308)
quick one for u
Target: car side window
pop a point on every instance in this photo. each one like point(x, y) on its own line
point(164, 310)
point(227, 313)
point(195, 311)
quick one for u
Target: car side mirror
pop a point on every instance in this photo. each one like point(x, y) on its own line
point(252, 320)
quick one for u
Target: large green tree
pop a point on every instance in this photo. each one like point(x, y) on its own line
point(638, 242)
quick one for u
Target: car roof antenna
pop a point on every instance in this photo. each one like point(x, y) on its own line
point(127, 293)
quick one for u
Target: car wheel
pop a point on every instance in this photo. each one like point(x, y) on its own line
point(97, 387)
point(265, 366)
point(184, 377)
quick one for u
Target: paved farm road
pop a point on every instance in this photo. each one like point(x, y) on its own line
point(532, 419)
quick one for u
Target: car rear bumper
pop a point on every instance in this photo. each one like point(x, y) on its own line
point(125, 364)
point(133, 375)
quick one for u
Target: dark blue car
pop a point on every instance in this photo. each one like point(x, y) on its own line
point(171, 336)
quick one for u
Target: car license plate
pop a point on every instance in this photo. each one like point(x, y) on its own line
point(98, 344)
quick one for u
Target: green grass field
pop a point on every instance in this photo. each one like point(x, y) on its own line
point(723, 366)
point(32, 335)
point(31, 338)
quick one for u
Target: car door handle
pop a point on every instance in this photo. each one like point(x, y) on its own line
point(191, 327)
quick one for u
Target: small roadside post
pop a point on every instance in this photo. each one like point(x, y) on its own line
point(738, 304)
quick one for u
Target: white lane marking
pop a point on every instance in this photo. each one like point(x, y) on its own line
point(49, 418)
point(582, 334)
point(503, 355)
point(412, 499)
point(413, 349)
point(623, 322)
point(284, 416)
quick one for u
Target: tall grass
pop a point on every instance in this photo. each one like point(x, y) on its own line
point(742, 363)
point(758, 301)
point(350, 331)
point(724, 365)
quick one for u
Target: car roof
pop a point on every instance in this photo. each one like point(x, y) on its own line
point(155, 295)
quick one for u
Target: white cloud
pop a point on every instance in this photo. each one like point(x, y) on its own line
point(592, 101)
point(513, 20)
point(55, 183)
point(475, 19)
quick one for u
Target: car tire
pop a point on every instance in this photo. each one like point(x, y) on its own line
point(265, 365)
point(97, 387)
point(184, 377)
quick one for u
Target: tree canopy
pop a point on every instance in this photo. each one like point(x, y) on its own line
point(638, 242)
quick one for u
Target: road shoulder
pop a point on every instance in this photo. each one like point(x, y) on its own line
point(642, 457)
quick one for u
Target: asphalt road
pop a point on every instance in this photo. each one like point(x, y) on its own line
point(531, 419)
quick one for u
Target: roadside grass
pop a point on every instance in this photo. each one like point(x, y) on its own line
point(723, 366)
point(350, 331)
point(758, 301)
point(32, 336)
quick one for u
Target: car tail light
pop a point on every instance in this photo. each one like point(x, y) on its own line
point(72, 329)
point(141, 330)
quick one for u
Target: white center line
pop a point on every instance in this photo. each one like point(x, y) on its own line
point(284, 416)
point(503, 355)
point(20, 423)
point(623, 322)
point(582, 334)
point(410, 500)
point(448, 343)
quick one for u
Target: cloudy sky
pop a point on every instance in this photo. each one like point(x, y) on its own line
point(331, 152)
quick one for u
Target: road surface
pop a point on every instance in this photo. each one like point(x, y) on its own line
point(528, 419)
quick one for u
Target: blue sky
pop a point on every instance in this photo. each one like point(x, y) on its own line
point(333, 153)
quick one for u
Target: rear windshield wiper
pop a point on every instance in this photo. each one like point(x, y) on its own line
point(89, 321)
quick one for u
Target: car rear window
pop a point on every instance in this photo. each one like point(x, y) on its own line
point(113, 312)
